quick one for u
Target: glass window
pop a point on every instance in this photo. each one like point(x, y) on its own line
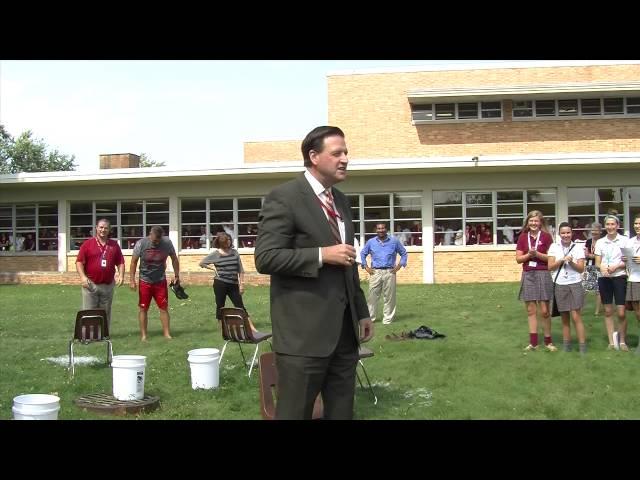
point(567, 108)
point(467, 111)
point(29, 227)
point(487, 218)
point(130, 220)
point(400, 212)
point(634, 206)
point(421, 112)
point(445, 111)
point(587, 205)
point(590, 106)
point(633, 105)
point(523, 108)
point(613, 106)
point(545, 108)
point(491, 109)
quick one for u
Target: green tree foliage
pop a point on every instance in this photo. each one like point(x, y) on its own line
point(145, 162)
point(28, 154)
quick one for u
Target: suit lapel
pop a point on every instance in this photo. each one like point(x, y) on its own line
point(317, 217)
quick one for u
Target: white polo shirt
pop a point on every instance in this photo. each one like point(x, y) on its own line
point(633, 268)
point(568, 274)
point(609, 251)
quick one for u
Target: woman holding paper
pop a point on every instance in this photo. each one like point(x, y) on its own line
point(633, 265)
point(566, 261)
point(613, 282)
point(536, 287)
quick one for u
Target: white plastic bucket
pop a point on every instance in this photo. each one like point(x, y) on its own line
point(204, 363)
point(128, 376)
point(36, 406)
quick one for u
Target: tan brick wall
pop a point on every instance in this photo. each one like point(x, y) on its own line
point(39, 278)
point(375, 114)
point(287, 150)
point(28, 264)
point(471, 267)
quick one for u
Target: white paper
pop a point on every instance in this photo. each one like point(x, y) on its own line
point(630, 253)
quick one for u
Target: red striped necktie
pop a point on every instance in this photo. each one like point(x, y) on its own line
point(332, 216)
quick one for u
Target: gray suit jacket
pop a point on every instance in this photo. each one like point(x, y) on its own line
point(307, 302)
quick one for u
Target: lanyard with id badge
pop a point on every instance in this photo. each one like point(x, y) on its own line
point(533, 263)
point(103, 256)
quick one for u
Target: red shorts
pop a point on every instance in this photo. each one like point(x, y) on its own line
point(158, 291)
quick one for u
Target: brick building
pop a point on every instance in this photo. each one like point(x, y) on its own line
point(442, 155)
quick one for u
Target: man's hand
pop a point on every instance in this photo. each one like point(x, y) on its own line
point(366, 330)
point(132, 284)
point(395, 269)
point(341, 254)
point(85, 282)
point(369, 270)
point(636, 259)
point(119, 279)
point(176, 279)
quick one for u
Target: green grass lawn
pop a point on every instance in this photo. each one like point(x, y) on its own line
point(478, 372)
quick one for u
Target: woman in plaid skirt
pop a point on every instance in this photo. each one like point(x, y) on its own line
point(536, 287)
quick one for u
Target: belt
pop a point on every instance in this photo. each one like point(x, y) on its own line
point(382, 268)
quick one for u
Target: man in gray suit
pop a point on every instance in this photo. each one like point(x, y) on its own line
point(319, 312)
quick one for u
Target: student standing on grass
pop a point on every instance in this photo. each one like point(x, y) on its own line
point(633, 287)
point(591, 272)
point(384, 251)
point(96, 264)
point(613, 282)
point(152, 251)
point(228, 279)
point(566, 263)
point(536, 286)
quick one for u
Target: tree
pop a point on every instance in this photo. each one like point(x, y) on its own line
point(27, 154)
point(146, 162)
point(5, 142)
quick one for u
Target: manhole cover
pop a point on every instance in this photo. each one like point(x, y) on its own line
point(108, 404)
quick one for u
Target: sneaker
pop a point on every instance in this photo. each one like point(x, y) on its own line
point(616, 341)
point(623, 347)
point(551, 347)
point(611, 347)
point(530, 348)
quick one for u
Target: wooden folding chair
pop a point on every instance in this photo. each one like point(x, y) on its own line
point(236, 328)
point(91, 326)
point(268, 394)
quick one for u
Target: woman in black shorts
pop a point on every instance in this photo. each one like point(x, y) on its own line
point(613, 282)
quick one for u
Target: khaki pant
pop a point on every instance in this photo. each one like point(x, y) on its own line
point(101, 298)
point(382, 281)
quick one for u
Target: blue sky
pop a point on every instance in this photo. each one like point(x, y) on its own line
point(191, 114)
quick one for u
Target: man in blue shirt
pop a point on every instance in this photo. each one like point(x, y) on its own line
point(382, 272)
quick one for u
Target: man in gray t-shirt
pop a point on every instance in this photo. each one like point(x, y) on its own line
point(152, 251)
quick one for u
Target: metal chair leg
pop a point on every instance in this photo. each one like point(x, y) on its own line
point(71, 362)
point(222, 353)
point(244, 360)
point(109, 352)
point(364, 370)
point(253, 359)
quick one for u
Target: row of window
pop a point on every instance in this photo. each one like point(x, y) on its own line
point(460, 217)
point(456, 111)
point(496, 217)
point(583, 107)
point(522, 109)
